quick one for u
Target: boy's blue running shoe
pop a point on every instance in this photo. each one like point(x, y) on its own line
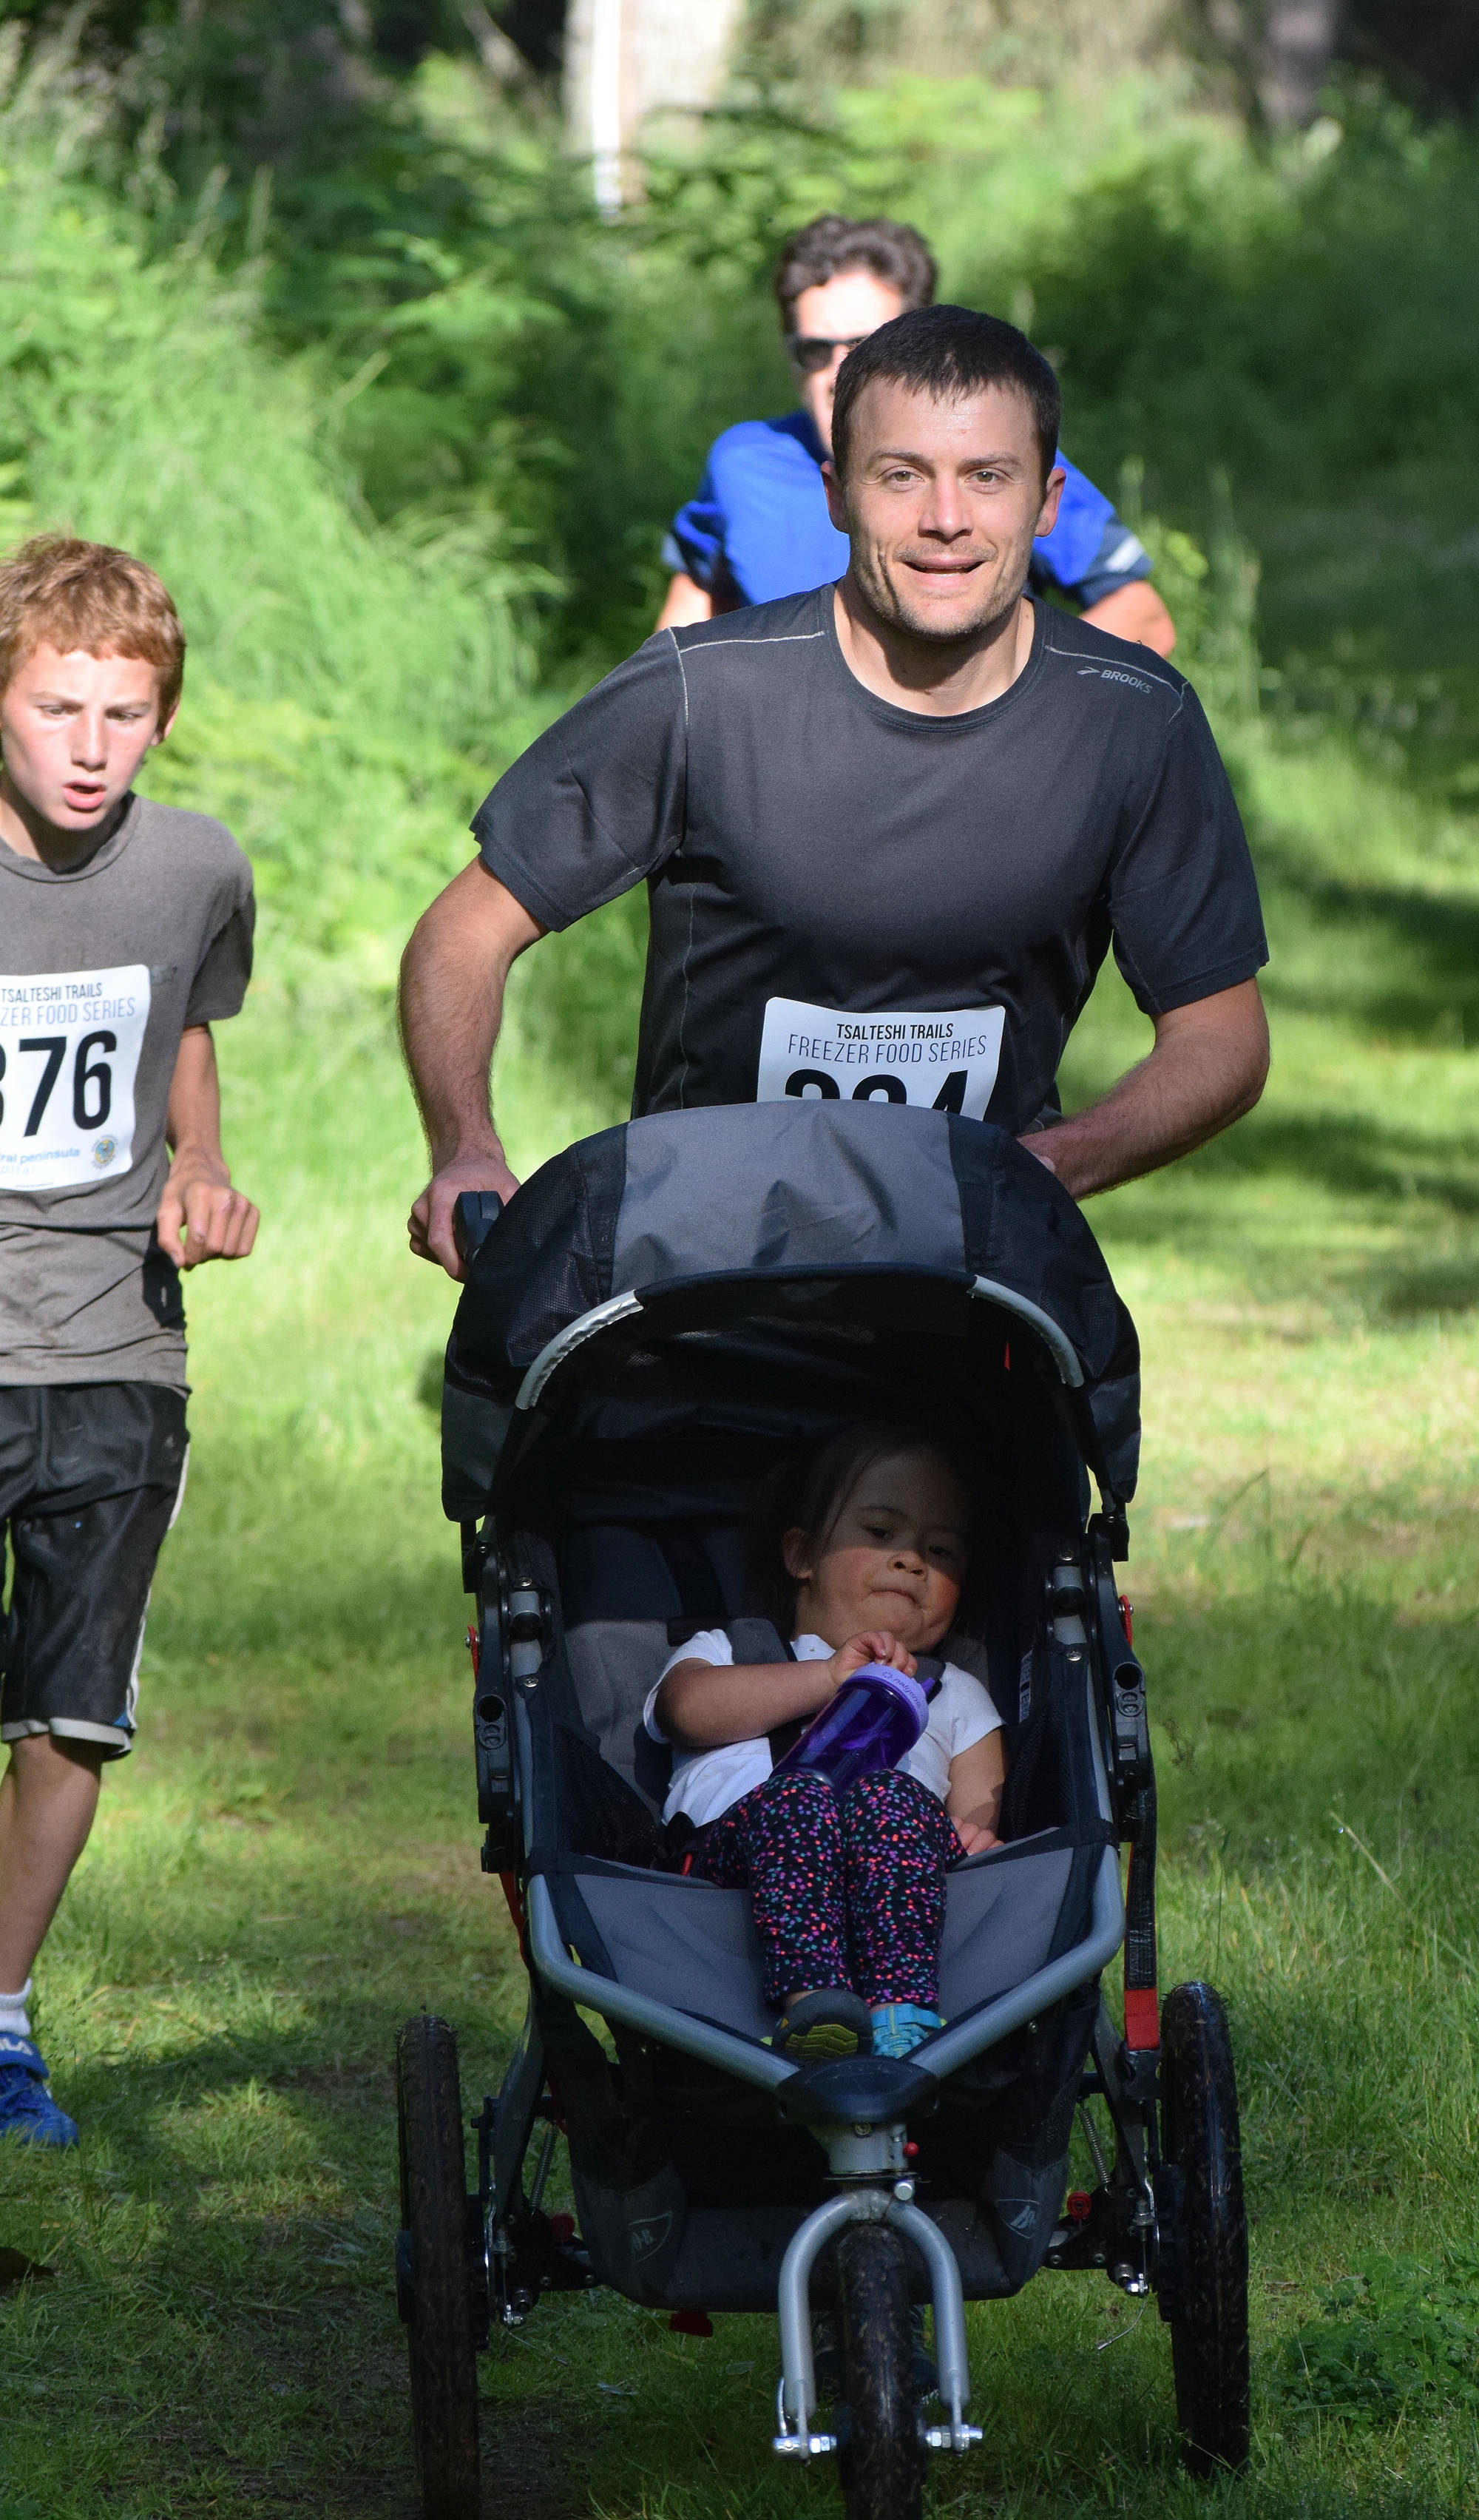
point(28, 2110)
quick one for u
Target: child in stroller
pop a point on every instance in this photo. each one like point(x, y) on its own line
point(847, 1888)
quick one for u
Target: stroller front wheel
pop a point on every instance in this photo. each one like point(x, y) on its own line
point(436, 2271)
point(882, 2454)
point(1204, 2244)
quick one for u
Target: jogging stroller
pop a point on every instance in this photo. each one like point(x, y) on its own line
point(665, 1310)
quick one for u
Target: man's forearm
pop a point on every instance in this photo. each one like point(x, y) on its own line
point(1207, 1068)
point(451, 1012)
point(454, 974)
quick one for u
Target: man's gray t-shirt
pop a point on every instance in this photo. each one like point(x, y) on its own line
point(101, 970)
point(852, 899)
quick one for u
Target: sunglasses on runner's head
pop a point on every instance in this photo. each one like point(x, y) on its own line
point(811, 353)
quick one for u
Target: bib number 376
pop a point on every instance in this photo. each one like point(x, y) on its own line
point(69, 1044)
point(943, 1061)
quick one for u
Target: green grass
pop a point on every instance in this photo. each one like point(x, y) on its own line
point(288, 1865)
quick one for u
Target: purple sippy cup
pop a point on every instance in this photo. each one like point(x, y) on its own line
point(873, 1721)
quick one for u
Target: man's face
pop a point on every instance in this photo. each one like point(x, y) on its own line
point(74, 730)
point(942, 501)
point(842, 311)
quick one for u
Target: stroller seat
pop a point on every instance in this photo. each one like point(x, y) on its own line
point(685, 1941)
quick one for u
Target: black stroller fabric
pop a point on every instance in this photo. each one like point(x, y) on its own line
point(672, 1206)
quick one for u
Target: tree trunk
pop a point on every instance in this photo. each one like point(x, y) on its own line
point(627, 60)
point(1280, 53)
point(1299, 44)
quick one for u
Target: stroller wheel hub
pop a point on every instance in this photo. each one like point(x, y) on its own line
point(952, 2436)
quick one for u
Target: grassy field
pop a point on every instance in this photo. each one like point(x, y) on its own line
point(368, 458)
point(288, 1865)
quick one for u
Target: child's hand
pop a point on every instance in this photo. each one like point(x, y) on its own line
point(974, 1840)
point(876, 1647)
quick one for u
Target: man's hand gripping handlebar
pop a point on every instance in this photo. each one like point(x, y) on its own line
point(455, 1210)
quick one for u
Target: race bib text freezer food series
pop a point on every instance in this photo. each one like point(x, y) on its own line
point(943, 1061)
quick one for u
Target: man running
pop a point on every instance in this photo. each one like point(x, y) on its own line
point(916, 798)
point(759, 527)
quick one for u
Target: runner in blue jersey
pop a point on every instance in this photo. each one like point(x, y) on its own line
point(759, 527)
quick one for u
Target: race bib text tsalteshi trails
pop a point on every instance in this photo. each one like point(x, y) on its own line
point(944, 1061)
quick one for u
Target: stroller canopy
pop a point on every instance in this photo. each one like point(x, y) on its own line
point(693, 1220)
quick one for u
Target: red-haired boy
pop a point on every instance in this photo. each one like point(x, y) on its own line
point(125, 931)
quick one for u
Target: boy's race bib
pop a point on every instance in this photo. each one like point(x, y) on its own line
point(945, 1063)
point(69, 1044)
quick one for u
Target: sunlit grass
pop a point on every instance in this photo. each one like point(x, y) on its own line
point(288, 1866)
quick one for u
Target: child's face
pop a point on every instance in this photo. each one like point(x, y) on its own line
point(895, 1557)
point(75, 729)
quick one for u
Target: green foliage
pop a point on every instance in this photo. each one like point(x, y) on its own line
point(1310, 323)
point(352, 687)
point(134, 401)
point(1394, 2335)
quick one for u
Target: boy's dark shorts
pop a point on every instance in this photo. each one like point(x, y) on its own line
point(91, 1478)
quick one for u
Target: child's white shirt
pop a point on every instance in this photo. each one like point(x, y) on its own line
point(705, 1782)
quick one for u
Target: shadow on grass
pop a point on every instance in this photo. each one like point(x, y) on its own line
point(1351, 1153)
point(1425, 950)
point(234, 2280)
point(1414, 1193)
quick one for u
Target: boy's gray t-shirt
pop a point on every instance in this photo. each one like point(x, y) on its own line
point(101, 970)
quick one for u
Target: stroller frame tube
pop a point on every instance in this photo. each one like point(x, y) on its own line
point(619, 1308)
point(749, 2062)
point(798, 2377)
point(1061, 1349)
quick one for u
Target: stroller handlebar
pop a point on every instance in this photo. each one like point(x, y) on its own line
point(475, 1211)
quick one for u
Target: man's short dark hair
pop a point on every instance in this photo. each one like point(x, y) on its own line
point(895, 255)
point(948, 351)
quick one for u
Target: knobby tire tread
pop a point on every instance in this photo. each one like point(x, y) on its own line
point(1201, 2137)
point(440, 2331)
point(883, 2468)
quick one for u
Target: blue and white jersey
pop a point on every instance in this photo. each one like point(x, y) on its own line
point(759, 528)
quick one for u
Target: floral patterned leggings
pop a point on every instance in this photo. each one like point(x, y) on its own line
point(849, 1889)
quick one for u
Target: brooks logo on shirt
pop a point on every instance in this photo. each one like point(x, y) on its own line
point(1112, 674)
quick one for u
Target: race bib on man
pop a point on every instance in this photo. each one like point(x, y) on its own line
point(942, 1063)
point(69, 1044)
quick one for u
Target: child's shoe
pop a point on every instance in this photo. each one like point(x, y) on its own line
point(28, 2110)
point(898, 2029)
point(829, 2022)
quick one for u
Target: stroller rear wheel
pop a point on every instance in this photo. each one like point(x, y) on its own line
point(1204, 2286)
point(436, 2270)
point(882, 2457)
